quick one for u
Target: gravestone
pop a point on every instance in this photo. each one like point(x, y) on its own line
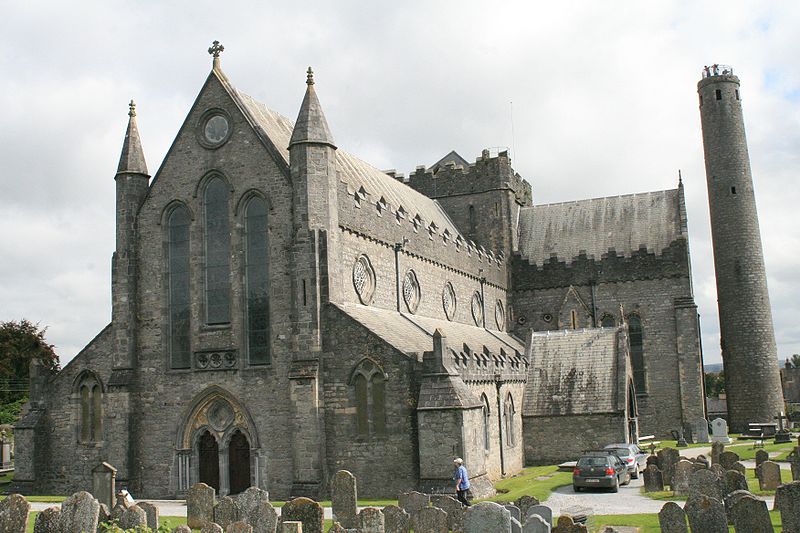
point(105, 514)
point(653, 480)
point(567, 525)
point(212, 527)
point(79, 513)
point(370, 520)
point(672, 519)
point(429, 520)
point(14, 514)
point(133, 517)
point(199, 505)
point(516, 526)
point(306, 511)
point(344, 499)
point(263, 518)
point(739, 467)
point(651, 460)
point(412, 501)
point(719, 431)
point(249, 500)
point(730, 500)
point(717, 469)
point(183, 528)
point(680, 479)
point(453, 508)
point(794, 461)
point(545, 512)
point(524, 502)
point(536, 524)
point(486, 516)
point(716, 449)
point(667, 459)
point(769, 475)
point(239, 527)
point(48, 521)
point(751, 514)
point(761, 456)
point(514, 510)
point(396, 520)
point(120, 507)
point(727, 459)
point(705, 482)
point(787, 501)
point(226, 512)
point(706, 514)
point(336, 527)
point(292, 527)
point(700, 430)
point(733, 480)
point(104, 478)
point(152, 514)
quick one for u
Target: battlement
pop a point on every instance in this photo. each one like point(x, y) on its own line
point(488, 173)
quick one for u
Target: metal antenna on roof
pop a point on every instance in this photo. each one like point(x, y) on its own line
point(513, 143)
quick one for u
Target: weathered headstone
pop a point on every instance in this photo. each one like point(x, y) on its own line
point(567, 525)
point(705, 482)
point(769, 475)
point(48, 521)
point(751, 514)
point(212, 527)
point(14, 514)
point(536, 524)
point(183, 528)
point(486, 516)
point(344, 499)
point(739, 467)
point(680, 479)
point(516, 526)
point(152, 514)
point(249, 500)
point(412, 501)
point(104, 483)
point(514, 510)
point(292, 527)
point(79, 513)
point(733, 480)
point(133, 517)
point(239, 527)
point(199, 505)
point(719, 431)
point(370, 520)
point(730, 500)
point(727, 459)
point(667, 458)
point(263, 518)
point(672, 519)
point(653, 480)
point(700, 430)
point(306, 511)
point(524, 502)
point(717, 469)
point(761, 456)
point(120, 506)
point(336, 527)
point(543, 511)
point(716, 449)
point(706, 514)
point(396, 520)
point(429, 520)
point(794, 461)
point(453, 508)
point(105, 514)
point(787, 501)
point(226, 512)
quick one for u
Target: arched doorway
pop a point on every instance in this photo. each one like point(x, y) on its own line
point(239, 463)
point(208, 454)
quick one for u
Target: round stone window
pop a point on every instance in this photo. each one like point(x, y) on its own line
point(477, 309)
point(214, 128)
point(449, 301)
point(500, 315)
point(364, 279)
point(411, 292)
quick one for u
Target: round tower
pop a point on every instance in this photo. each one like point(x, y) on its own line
point(747, 338)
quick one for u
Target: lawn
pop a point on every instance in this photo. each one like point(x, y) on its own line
point(752, 484)
point(536, 481)
point(746, 450)
point(648, 523)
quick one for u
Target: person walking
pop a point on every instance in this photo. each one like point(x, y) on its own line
point(461, 477)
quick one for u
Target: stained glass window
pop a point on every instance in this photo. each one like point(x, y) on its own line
point(218, 258)
point(257, 279)
point(178, 264)
point(637, 352)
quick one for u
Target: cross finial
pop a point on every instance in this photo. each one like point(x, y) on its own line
point(309, 76)
point(132, 109)
point(680, 178)
point(216, 49)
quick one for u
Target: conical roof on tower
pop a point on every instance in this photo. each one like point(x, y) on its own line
point(131, 161)
point(311, 126)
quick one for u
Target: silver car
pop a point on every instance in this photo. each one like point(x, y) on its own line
point(630, 454)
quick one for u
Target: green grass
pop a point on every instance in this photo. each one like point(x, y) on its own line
point(672, 444)
point(525, 483)
point(42, 499)
point(752, 484)
point(648, 523)
point(746, 450)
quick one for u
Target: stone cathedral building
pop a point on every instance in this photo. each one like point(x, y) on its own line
point(282, 310)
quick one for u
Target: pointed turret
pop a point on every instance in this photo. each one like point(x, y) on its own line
point(311, 126)
point(131, 161)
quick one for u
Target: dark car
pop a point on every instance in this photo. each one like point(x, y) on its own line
point(600, 469)
point(631, 455)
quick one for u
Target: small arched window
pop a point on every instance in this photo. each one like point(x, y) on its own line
point(486, 440)
point(636, 338)
point(508, 414)
point(91, 409)
point(218, 253)
point(257, 280)
point(473, 222)
point(369, 384)
point(608, 321)
point(178, 277)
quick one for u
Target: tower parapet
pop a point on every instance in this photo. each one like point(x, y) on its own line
point(747, 337)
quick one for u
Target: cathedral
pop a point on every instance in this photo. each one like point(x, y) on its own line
point(282, 309)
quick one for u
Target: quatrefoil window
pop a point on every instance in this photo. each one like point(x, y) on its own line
point(364, 279)
point(411, 291)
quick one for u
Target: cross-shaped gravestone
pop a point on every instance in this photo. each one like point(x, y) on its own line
point(782, 435)
point(216, 49)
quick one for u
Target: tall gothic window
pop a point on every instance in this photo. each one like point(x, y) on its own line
point(486, 440)
point(218, 253)
point(369, 383)
point(257, 279)
point(91, 418)
point(178, 265)
point(637, 352)
point(508, 414)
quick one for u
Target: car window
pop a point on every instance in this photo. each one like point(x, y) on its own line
point(621, 451)
point(592, 461)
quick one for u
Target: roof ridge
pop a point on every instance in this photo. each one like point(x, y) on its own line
point(583, 200)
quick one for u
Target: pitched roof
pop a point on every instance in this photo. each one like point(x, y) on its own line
point(620, 223)
point(452, 158)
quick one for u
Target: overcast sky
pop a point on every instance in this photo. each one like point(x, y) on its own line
point(604, 103)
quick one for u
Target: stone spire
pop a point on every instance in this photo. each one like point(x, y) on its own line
point(311, 126)
point(131, 161)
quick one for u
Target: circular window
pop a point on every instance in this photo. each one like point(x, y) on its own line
point(214, 128)
point(364, 279)
point(477, 309)
point(547, 317)
point(411, 291)
point(500, 315)
point(449, 301)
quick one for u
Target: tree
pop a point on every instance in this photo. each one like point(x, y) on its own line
point(715, 384)
point(794, 362)
point(20, 343)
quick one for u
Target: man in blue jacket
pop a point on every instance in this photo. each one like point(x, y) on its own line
point(462, 481)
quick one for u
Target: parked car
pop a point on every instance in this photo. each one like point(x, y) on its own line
point(600, 469)
point(633, 457)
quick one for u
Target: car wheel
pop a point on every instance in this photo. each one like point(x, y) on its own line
point(615, 488)
point(627, 478)
point(575, 488)
point(636, 473)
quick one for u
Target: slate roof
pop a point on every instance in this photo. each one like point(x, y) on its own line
point(446, 392)
point(573, 372)
point(454, 158)
point(595, 226)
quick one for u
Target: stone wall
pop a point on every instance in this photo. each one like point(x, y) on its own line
point(555, 439)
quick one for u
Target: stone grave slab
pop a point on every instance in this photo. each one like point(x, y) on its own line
point(344, 499)
point(371, 520)
point(264, 518)
point(199, 505)
point(705, 482)
point(412, 501)
point(429, 520)
point(727, 459)
point(680, 479)
point(454, 510)
point(306, 511)
point(487, 516)
point(48, 521)
point(545, 512)
point(536, 524)
point(769, 475)
point(706, 514)
point(653, 480)
point(79, 513)
point(787, 501)
point(226, 512)
point(152, 514)
point(751, 514)
point(14, 514)
point(719, 431)
point(396, 520)
point(672, 519)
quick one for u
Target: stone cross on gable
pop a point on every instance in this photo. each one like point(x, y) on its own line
point(216, 49)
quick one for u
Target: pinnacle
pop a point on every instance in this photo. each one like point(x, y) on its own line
point(131, 160)
point(311, 126)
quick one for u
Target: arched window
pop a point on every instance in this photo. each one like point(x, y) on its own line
point(178, 267)
point(608, 321)
point(369, 384)
point(91, 409)
point(508, 414)
point(472, 220)
point(218, 253)
point(486, 440)
point(257, 280)
point(637, 352)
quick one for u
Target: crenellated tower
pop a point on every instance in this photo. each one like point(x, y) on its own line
point(747, 337)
